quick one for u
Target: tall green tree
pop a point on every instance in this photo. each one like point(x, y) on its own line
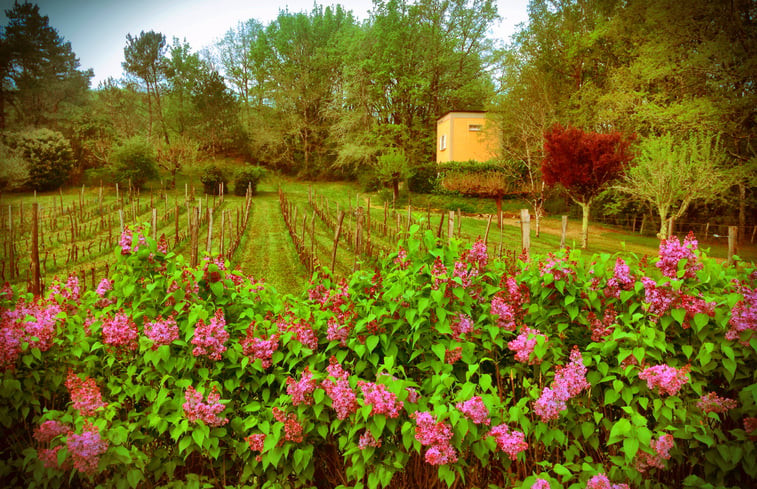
point(39, 72)
point(144, 58)
point(408, 66)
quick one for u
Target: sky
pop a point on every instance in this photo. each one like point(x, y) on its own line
point(97, 29)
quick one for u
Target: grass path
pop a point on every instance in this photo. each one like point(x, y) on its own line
point(267, 252)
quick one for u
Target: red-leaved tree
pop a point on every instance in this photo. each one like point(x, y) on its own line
point(583, 163)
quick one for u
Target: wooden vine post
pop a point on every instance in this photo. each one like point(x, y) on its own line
point(733, 232)
point(336, 239)
point(35, 250)
point(525, 231)
point(564, 233)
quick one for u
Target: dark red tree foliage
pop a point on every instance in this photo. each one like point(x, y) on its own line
point(583, 162)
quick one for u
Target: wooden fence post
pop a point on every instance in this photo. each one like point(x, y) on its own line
point(488, 226)
point(450, 226)
point(155, 224)
point(564, 233)
point(210, 230)
point(733, 232)
point(35, 250)
point(336, 239)
point(525, 232)
point(193, 231)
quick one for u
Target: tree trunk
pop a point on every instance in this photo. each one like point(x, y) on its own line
point(742, 212)
point(498, 200)
point(585, 207)
point(664, 224)
point(396, 190)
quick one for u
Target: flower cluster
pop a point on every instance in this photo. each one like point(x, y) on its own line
point(475, 410)
point(196, 409)
point(292, 427)
point(49, 429)
point(367, 440)
point(260, 348)
point(600, 481)
point(209, 339)
point(401, 260)
point(34, 323)
point(672, 252)
point(743, 316)
point(302, 390)
point(131, 241)
point(343, 398)
point(463, 324)
point(620, 280)
point(524, 345)
point(120, 331)
point(464, 273)
point(303, 332)
point(504, 312)
point(68, 292)
point(478, 256)
point(85, 394)
point(559, 267)
point(541, 484)
point(335, 369)
point(453, 355)
point(712, 403)
point(659, 299)
point(601, 329)
point(666, 379)
point(86, 448)
point(438, 273)
point(510, 442)
point(337, 332)
point(383, 401)
point(662, 448)
point(569, 381)
point(436, 436)
point(256, 443)
point(162, 331)
point(49, 457)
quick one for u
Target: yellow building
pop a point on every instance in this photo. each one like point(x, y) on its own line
point(465, 136)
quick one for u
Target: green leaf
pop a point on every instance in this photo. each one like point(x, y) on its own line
point(439, 349)
point(134, 476)
point(371, 342)
point(679, 315)
point(198, 436)
point(630, 447)
point(619, 430)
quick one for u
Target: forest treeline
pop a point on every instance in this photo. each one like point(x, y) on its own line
point(321, 93)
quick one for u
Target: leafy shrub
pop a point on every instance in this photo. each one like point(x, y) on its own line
point(424, 180)
point(134, 161)
point(248, 176)
point(48, 156)
point(212, 177)
point(14, 171)
point(369, 181)
point(440, 365)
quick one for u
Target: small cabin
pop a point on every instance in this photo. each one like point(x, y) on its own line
point(465, 136)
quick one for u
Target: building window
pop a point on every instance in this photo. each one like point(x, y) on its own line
point(443, 142)
point(475, 127)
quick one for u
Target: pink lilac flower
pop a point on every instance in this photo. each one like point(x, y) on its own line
point(104, 286)
point(131, 241)
point(465, 274)
point(712, 403)
point(750, 425)
point(196, 409)
point(435, 435)
point(302, 391)
point(85, 394)
point(256, 442)
point(162, 331)
point(453, 355)
point(504, 312)
point(162, 245)
point(303, 331)
point(662, 448)
point(438, 273)
point(120, 331)
point(260, 348)
point(666, 379)
point(292, 427)
point(620, 280)
point(463, 324)
point(401, 260)
point(570, 381)
point(49, 429)
point(343, 398)
point(510, 442)
point(475, 410)
point(367, 440)
point(672, 252)
point(600, 481)
point(540, 484)
point(659, 298)
point(560, 267)
point(34, 323)
point(11, 337)
point(743, 316)
point(209, 339)
point(86, 448)
point(125, 241)
point(412, 395)
point(478, 256)
point(694, 305)
point(335, 369)
point(604, 328)
point(524, 345)
point(49, 457)
point(383, 401)
point(337, 332)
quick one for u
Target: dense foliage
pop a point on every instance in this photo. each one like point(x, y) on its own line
point(134, 162)
point(212, 178)
point(47, 155)
point(248, 177)
point(441, 367)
